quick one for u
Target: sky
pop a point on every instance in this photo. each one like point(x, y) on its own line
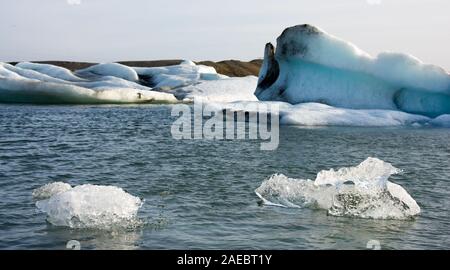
point(115, 30)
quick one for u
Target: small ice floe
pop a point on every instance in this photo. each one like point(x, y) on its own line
point(362, 191)
point(88, 206)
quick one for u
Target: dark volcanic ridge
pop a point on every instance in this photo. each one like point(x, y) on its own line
point(232, 68)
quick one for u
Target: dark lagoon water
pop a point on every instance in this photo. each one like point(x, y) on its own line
point(200, 194)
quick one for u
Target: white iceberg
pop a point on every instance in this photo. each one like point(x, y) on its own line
point(88, 206)
point(115, 83)
point(310, 65)
point(362, 191)
point(29, 85)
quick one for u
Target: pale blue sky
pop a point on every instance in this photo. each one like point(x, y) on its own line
point(113, 30)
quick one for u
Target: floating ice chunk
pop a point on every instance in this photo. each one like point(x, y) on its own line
point(109, 69)
point(310, 65)
point(280, 190)
point(224, 90)
point(363, 191)
point(48, 190)
point(91, 206)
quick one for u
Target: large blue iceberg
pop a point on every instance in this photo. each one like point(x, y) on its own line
point(310, 65)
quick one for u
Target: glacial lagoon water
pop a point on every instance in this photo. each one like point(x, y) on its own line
point(200, 194)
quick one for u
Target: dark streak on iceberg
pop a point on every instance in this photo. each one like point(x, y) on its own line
point(271, 67)
point(310, 65)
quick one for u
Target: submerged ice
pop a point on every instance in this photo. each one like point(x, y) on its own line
point(309, 65)
point(362, 191)
point(317, 114)
point(87, 206)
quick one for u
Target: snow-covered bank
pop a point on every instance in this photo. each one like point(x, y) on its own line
point(362, 191)
point(310, 65)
